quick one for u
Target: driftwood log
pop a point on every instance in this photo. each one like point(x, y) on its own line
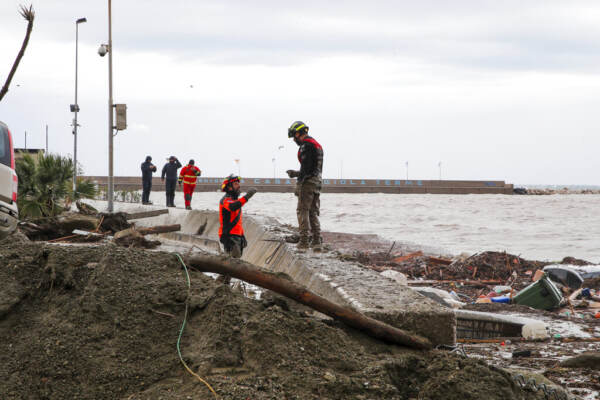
point(133, 237)
point(265, 279)
point(146, 214)
point(53, 228)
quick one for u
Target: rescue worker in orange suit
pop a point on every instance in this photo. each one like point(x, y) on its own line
point(188, 175)
point(231, 231)
point(308, 186)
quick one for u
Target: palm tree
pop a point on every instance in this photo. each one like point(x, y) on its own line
point(29, 16)
point(45, 185)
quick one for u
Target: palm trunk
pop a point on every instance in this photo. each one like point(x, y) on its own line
point(29, 15)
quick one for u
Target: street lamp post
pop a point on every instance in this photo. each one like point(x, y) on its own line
point(75, 107)
point(102, 52)
point(274, 160)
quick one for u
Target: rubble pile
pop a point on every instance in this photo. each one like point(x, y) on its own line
point(102, 321)
point(565, 295)
point(486, 266)
point(88, 226)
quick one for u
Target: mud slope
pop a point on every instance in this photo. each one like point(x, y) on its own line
point(102, 323)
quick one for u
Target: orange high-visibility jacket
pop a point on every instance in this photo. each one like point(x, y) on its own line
point(230, 216)
point(189, 174)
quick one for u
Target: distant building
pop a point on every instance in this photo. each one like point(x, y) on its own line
point(33, 152)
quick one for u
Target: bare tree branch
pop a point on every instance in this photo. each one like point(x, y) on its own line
point(29, 16)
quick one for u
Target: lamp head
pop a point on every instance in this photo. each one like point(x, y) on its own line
point(81, 20)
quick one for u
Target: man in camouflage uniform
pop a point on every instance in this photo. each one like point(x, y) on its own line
point(308, 186)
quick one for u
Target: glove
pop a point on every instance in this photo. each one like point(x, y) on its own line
point(251, 192)
point(179, 183)
point(292, 174)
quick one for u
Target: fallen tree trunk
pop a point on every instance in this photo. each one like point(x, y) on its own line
point(153, 230)
point(57, 227)
point(265, 279)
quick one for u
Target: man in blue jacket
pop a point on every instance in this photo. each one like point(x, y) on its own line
point(147, 170)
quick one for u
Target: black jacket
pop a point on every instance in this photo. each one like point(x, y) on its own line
point(310, 156)
point(170, 170)
point(147, 170)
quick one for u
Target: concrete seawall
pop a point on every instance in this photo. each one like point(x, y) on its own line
point(342, 282)
point(282, 185)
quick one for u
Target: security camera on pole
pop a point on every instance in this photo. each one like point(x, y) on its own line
point(121, 110)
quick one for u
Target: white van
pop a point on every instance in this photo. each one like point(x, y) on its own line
point(9, 213)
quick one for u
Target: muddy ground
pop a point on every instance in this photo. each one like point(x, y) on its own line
point(102, 322)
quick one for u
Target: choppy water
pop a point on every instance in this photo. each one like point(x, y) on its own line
point(535, 227)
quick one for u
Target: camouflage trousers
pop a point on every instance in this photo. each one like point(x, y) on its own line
point(309, 203)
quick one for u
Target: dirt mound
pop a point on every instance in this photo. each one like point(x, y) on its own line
point(102, 322)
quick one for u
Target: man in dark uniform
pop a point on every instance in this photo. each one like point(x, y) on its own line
point(170, 171)
point(147, 170)
point(308, 186)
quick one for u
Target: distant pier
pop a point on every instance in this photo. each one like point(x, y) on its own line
point(284, 185)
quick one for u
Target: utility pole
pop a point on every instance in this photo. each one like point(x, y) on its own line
point(110, 113)
point(440, 167)
point(407, 170)
point(75, 107)
point(46, 138)
point(25, 140)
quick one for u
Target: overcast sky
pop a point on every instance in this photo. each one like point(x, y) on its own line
point(506, 90)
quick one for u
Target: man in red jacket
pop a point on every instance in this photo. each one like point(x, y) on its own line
point(188, 176)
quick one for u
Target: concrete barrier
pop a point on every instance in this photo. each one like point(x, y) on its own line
point(284, 185)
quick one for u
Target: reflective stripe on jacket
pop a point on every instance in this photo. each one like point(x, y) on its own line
point(230, 216)
point(310, 155)
point(189, 174)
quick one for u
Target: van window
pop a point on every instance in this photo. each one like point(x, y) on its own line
point(4, 147)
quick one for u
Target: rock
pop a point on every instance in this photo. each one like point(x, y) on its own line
point(395, 276)
point(586, 360)
point(329, 377)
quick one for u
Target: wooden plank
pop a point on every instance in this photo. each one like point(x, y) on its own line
point(146, 214)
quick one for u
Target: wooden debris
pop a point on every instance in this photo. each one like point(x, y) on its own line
point(153, 230)
point(482, 283)
point(133, 237)
point(85, 209)
point(58, 227)
point(146, 214)
point(408, 257)
point(437, 260)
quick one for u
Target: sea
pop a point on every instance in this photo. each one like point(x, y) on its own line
point(545, 228)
